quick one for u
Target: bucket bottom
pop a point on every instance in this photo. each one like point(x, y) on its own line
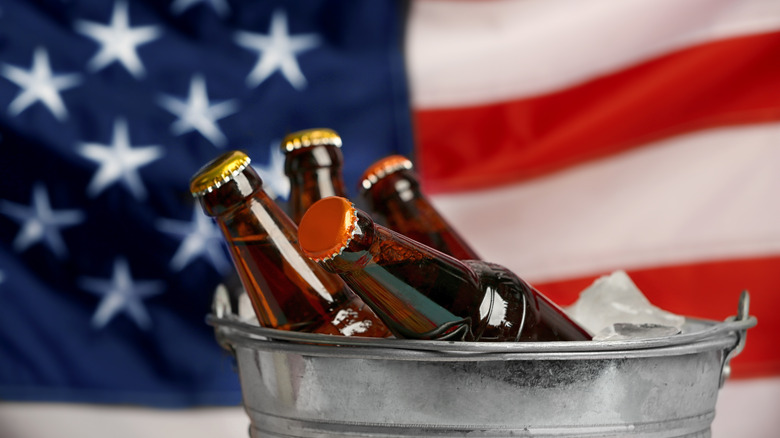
point(698, 427)
point(256, 433)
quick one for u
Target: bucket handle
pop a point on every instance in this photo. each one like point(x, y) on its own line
point(742, 315)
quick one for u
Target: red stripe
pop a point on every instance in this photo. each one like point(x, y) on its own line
point(710, 291)
point(721, 83)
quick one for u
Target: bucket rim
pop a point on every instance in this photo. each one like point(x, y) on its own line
point(696, 334)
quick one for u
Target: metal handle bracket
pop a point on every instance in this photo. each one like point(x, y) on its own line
point(742, 315)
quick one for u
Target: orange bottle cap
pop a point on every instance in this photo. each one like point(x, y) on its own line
point(310, 137)
point(327, 228)
point(217, 172)
point(382, 168)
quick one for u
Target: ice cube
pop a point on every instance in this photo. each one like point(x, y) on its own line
point(220, 304)
point(245, 310)
point(613, 307)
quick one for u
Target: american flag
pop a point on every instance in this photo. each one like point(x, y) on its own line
point(107, 266)
point(564, 139)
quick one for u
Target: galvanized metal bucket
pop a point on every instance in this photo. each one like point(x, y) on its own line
point(307, 385)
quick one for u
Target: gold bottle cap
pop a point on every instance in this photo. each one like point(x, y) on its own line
point(382, 168)
point(327, 228)
point(217, 172)
point(310, 137)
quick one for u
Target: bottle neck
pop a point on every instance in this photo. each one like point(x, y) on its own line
point(232, 193)
point(398, 202)
point(314, 173)
point(244, 211)
point(419, 292)
point(399, 187)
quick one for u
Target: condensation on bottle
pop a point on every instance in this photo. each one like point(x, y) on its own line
point(422, 293)
point(392, 194)
point(313, 163)
point(287, 290)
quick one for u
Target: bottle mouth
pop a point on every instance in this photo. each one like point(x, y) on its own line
point(309, 138)
point(217, 172)
point(382, 168)
point(327, 228)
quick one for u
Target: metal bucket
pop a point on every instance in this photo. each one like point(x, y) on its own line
point(307, 385)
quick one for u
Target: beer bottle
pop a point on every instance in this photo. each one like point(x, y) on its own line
point(392, 193)
point(422, 293)
point(313, 163)
point(287, 290)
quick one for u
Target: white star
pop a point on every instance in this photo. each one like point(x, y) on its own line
point(196, 113)
point(40, 222)
point(220, 6)
point(121, 294)
point(278, 50)
point(199, 237)
point(118, 161)
point(118, 41)
point(275, 181)
point(39, 84)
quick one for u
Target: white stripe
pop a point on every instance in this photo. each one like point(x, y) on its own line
point(748, 408)
point(745, 408)
point(37, 420)
point(462, 53)
point(711, 195)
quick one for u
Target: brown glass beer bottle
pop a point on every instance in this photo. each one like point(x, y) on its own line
point(392, 193)
point(287, 290)
point(313, 163)
point(422, 293)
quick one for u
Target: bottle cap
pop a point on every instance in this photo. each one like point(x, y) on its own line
point(217, 172)
point(310, 137)
point(327, 228)
point(382, 168)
